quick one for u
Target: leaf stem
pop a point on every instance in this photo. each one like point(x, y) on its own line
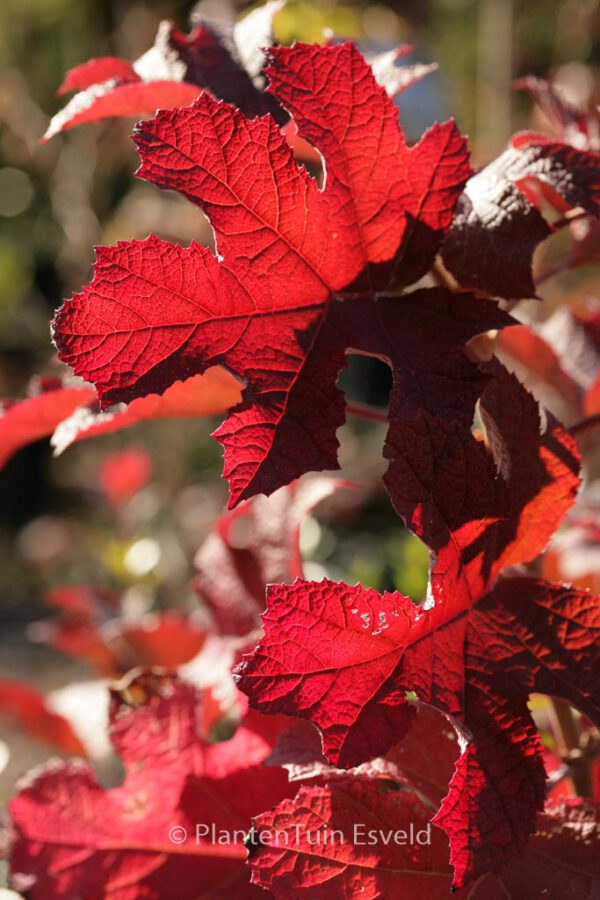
point(442, 276)
point(571, 216)
point(583, 424)
point(568, 744)
point(550, 271)
point(364, 411)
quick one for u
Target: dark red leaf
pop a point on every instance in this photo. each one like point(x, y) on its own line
point(344, 658)
point(422, 761)
point(228, 59)
point(355, 839)
point(540, 462)
point(357, 800)
point(494, 222)
point(497, 216)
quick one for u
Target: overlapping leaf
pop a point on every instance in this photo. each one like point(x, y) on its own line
point(498, 213)
point(202, 395)
point(24, 421)
point(299, 281)
point(226, 60)
point(351, 681)
point(495, 220)
point(75, 838)
point(368, 832)
point(252, 546)
point(559, 360)
point(570, 122)
point(29, 709)
point(269, 307)
point(69, 412)
point(344, 657)
point(92, 628)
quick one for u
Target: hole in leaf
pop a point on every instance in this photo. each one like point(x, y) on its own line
point(366, 379)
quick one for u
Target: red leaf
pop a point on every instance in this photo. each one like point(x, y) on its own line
point(96, 71)
point(107, 101)
point(422, 761)
point(542, 470)
point(591, 401)
point(252, 546)
point(28, 708)
point(92, 629)
point(265, 301)
point(427, 178)
point(499, 506)
point(422, 764)
point(227, 61)
point(169, 640)
point(325, 655)
point(70, 414)
point(24, 421)
point(123, 474)
point(202, 395)
point(344, 658)
point(355, 839)
point(539, 368)
point(116, 842)
point(318, 845)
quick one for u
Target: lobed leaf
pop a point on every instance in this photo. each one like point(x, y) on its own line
point(155, 312)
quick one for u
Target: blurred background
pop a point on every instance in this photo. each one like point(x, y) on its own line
point(60, 519)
